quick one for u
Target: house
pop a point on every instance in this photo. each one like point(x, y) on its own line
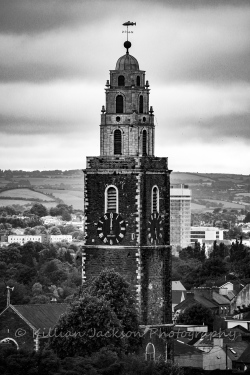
point(178, 293)
point(230, 348)
point(242, 298)
point(28, 326)
point(207, 297)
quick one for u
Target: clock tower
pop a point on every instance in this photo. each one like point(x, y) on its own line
point(127, 195)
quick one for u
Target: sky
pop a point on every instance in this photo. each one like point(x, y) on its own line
point(55, 60)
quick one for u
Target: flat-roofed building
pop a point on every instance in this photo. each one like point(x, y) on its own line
point(24, 239)
point(180, 217)
point(206, 235)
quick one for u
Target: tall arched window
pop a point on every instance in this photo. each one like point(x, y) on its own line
point(141, 104)
point(150, 352)
point(138, 81)
point(121, 81)
point(119, 104)
point(155, 200)
point(117, 142)
point(111, 199)
point(144, 143)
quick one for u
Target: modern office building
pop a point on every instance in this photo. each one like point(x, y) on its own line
point(206, 235)
point(180, 217)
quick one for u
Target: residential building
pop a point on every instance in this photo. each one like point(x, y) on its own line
point(178, 293)
point(180, 217)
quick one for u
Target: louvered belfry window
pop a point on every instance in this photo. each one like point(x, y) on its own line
point(121, 81)
point(155, 199)
point(111, 199)
point(117, 142)
point(119, 104)
point(141, 104)
point(144, 143)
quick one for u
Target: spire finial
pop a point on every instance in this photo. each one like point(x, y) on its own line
point(127, 44)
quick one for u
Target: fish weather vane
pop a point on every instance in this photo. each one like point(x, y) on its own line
point(128, 24)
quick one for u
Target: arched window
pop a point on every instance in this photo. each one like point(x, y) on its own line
point(111, 199)
point(138, 81)
point(150, 352)
point(119, 104)
point(155, 200)
point(121, 81)
point(144, 143)
point(117, 142)
point(141, 104)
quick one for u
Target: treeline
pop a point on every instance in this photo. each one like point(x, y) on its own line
point(194, 269)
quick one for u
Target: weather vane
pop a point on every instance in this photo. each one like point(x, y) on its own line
point(128, 24)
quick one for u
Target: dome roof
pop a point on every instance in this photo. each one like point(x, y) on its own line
point(127, 62)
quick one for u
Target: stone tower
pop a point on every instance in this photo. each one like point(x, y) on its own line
point(127, 195)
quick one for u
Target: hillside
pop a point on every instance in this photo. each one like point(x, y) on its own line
point(209, 190)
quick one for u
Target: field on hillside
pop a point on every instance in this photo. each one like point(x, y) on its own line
point(69, 197)
point(25, 193)
point(198, 207)
point(185, 178)
point(226, 204)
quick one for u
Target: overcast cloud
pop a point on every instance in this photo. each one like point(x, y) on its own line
point(55, 60)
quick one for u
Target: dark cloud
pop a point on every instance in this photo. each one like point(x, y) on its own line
point(35, 16)
point(25, 126)
point(220, 129)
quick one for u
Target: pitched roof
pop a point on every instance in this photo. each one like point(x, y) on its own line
point(177, 285)
point(205, 302)
point(220, 299)
point(177, 296)
point(42, 316)
point(183, 349)
point(245, 356)
point(235, 351)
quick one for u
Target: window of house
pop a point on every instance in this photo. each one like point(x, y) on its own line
point(121, 81)
point(144, 143)
point(117, 142)
point(150, 352)
point(119, 104)
point(155, 199)
point(138, 81)
point(111, 199)
point(141, 104)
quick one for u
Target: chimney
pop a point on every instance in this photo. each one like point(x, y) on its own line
point(218, 342)
point(189, 294)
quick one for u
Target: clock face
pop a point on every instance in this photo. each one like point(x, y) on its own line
point(111, 228)
point(155, 228)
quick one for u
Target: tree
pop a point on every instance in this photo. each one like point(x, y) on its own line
point(111, 286)
point(55, 231)
point(110, 318)
point(39, 210)
point(74, 335)
point(196, 314)
point(247, 218)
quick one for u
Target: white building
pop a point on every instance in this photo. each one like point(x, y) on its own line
point(48, 220)
point(180, 217)
point(59, 238)
point(206, 235)
point(23, 239)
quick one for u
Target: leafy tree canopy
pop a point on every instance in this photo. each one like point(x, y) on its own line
point(196, 314)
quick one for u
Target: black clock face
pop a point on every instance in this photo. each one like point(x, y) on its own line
point(155, 228)
point(111, 228)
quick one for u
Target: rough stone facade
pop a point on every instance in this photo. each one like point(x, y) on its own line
point(134, 172)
